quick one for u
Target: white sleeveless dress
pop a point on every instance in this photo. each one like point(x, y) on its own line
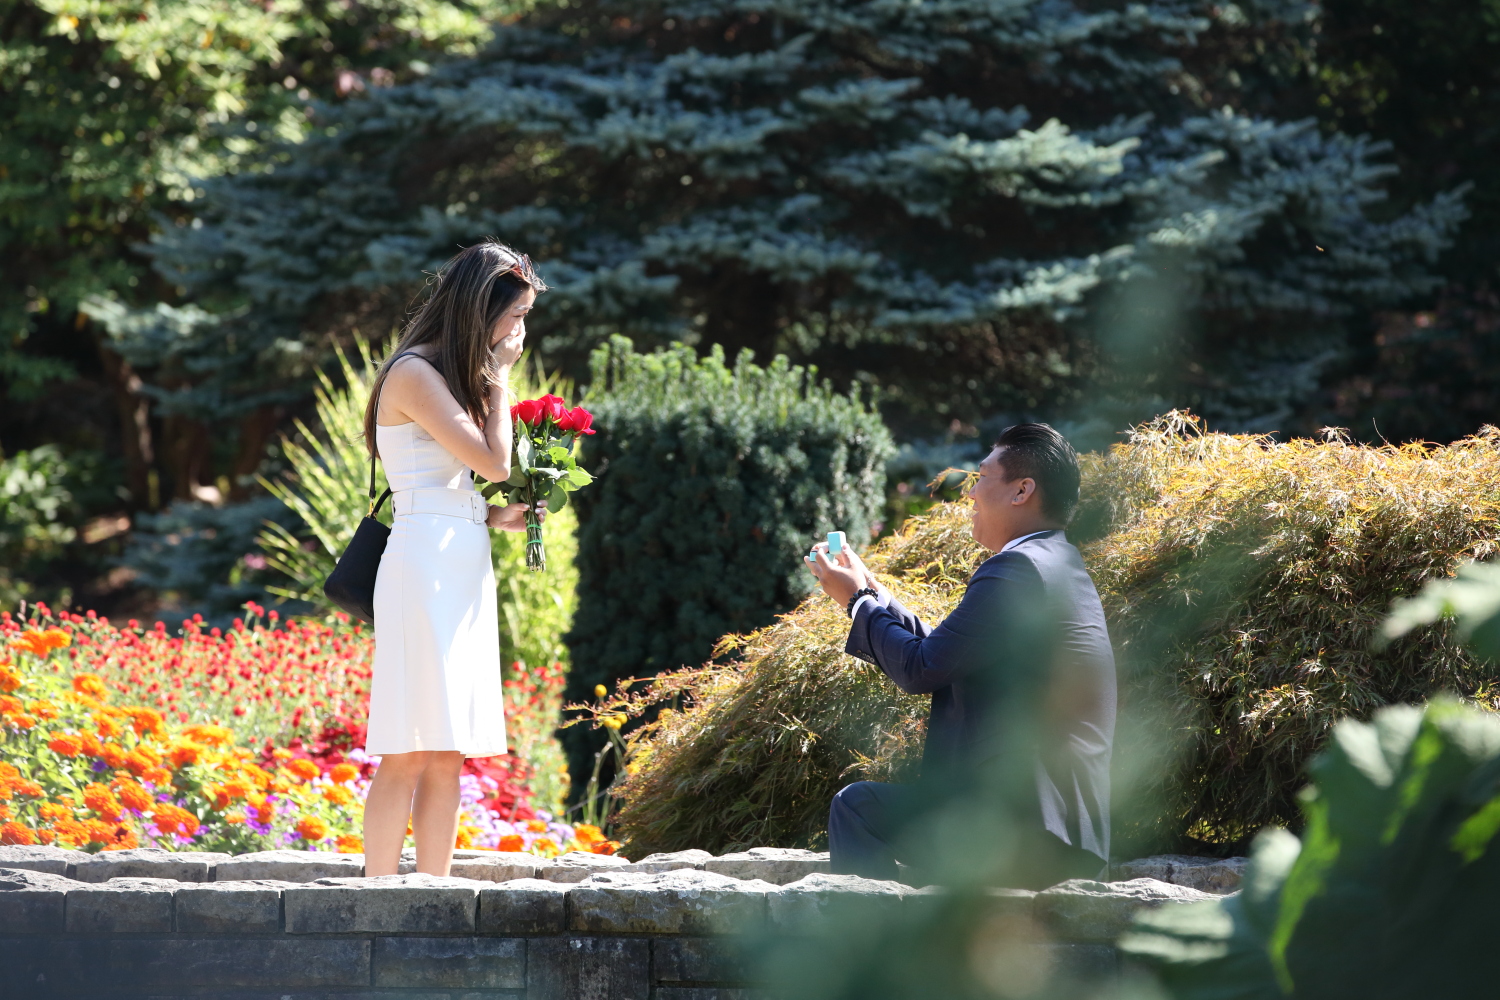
point(436, 683)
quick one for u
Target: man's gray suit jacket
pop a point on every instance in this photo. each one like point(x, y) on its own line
point(1027, 641)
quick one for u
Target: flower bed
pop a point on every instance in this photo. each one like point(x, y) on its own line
point(83, 767)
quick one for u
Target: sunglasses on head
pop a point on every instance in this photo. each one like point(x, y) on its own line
point(522, 269)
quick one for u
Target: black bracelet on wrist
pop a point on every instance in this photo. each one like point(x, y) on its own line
point(861, 592)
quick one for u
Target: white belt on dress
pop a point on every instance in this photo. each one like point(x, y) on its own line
point(466, 504)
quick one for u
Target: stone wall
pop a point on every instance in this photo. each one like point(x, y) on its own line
point(290, 924)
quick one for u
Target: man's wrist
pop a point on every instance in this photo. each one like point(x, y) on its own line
point(854, 599)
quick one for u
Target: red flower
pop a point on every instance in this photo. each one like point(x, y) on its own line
point(554, 407)
point(578, 420)
point(528, 411)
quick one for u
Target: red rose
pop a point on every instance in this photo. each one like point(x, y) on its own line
point(529, 412)
point(578, 420)
point(553, 406)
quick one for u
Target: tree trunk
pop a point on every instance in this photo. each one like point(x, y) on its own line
point(137, 445)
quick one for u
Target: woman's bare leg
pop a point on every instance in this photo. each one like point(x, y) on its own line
point(434, 814)
point(388, 807)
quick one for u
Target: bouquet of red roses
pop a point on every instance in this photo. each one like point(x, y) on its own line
point(543, 466)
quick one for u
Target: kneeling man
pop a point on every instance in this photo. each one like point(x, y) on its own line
point(1022, 667)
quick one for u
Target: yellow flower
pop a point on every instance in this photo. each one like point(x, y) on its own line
point(600, 690)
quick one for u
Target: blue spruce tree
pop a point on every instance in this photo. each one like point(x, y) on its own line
point(1058, 207)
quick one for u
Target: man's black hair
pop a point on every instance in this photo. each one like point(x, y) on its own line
point(1039, 452)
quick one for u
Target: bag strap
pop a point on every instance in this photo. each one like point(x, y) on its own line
point(375, 504)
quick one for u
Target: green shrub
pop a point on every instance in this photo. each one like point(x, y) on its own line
point(45, 496)
point(1388, 894)
point(1246, 582)
point(713, 483)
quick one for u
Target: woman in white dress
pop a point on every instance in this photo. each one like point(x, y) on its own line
point(440, 412)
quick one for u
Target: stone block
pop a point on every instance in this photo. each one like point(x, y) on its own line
point(388, 904)
point(122, 906)
point(777, 865)
point(587, 968)
point(697, 960)
point(149, 862)
point(816, 898)
point(462, 962)
point(654, 864)
point(575, 866)
point(248, 907)
point(712, 993)
point(32, 902)
point(50, 860)
point(1219, 876)
point(289, 866)
point(496, 866)
point(1088, 911)
point(678, 902)
point(276, 963)
point(524, 906)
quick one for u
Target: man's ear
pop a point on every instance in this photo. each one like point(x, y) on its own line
point(1025, 490)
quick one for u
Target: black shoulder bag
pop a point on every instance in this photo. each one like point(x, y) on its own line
point(351, 585)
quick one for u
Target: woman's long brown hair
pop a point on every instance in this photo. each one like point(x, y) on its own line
point(469, 296)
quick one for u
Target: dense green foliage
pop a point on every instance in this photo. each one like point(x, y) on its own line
point(1246, 584)
point(40, 510)
point(112, 115)
point(978, 205)
point(1387, 894)
point(713, 482)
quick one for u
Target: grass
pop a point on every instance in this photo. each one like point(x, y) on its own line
point(1245, 580)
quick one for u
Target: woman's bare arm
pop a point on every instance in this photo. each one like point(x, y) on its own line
point(414, 391)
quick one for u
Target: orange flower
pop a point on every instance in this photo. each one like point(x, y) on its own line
point(53, 811)
point(338, 795)
point(217, 796)
point(10, 705)
point(343, 773)
point(146, 721)
point(100, 799)
point(512, 842)
point(9, 679)
point(23, 721)
point(605, 846)
point(214, 736)
point(66, 744)
point(265, 809)
point(23, 787)
point(312, 828)
point(546, 847)
point(259, 775)
point(535, 826)
point(465, 837)
point(4, 810)
point(44, 709)
point(349, 843)
point(101, 832)
point(56, 638)
point(114, 755)
point(138, 762)
point(238, 788)
point(170, 818)
point(91, 685)
point(304, 769)
point(15, 833)
point(89, 744)
point(133, 795)
point(234, 818)
point(281, 753)
point(108, 727)
point(31, 640)
point(158, 776)
point(182, 753)
point(586, 833)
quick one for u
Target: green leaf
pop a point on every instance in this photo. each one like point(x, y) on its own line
point(557, 499)
point(523, 452)
point(577, 477)
point(559, 453)
point(517, 478)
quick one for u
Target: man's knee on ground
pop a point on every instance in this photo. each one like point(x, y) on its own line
point(854, 799)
